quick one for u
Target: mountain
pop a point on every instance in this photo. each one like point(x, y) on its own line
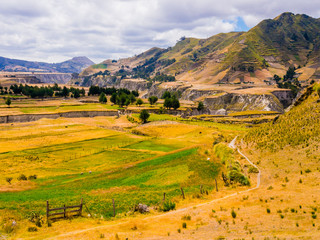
point(237, 57)
point(74, 65)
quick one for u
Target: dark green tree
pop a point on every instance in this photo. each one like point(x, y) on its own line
point(153, 100)
point(76, 93)
point(102, 98)
point(65, 92)
point(175, 103)
point(8, 101)
point(113, 98)
point(166, 94)
point(139, 102)
point(200, 106)
point(132, 98)
point(167, 103)
point(144, 115)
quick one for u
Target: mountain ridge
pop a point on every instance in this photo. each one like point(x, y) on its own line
point(74, 65)
point(257, 55)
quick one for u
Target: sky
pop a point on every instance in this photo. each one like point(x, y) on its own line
point(57, 30)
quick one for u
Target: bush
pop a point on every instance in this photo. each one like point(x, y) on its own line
point(32, 177)
point(168, 205)
point(9, 226)
point(32, 229)
point(233, 213)
point(253, 169)
point(22, 177)
point(184, 225)
point(268, 210)
point(186, 217)
point(144, 115)
point(236, 176)
point(9, 179)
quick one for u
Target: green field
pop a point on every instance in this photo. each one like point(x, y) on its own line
point(98, 165)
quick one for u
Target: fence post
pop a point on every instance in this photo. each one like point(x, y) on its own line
point(80, 210)
point(64, 211)
point(114, 209)
point(48, 213)
point(182, 193)
point(216, 184)
point(164, 196)
point(201, 189)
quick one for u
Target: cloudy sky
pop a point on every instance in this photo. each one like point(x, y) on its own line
point(56, 30)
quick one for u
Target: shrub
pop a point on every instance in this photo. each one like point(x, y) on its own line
point(9, 226)
point(22, 177)
point(268, 210)
point(233, 214)
point(168, 205)
point(186, 217)
point(184, 225)
point(236, 176)
point(32, 229)
point(32, 177)
point(253, 169)
point(314, 216)
point(144, 115)
point(9, 179)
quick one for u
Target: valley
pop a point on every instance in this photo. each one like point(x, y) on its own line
point(214, 138)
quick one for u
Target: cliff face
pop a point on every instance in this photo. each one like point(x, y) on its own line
point(244, 102)
point(134, 84)
point(60, 78)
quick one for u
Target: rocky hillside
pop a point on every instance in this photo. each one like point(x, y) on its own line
point(237, 57)
point(74, 65)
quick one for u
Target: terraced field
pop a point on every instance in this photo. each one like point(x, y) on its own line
point(100, 159)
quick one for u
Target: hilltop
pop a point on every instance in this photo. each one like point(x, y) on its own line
point(236, 57)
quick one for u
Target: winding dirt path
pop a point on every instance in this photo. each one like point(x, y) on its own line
point(231, 145)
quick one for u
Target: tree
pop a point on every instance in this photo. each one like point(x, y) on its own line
point(65, 92)
point(153, 100)
point(139, 102)
point(76, 93)
point(166, 94)
point(167, 103)
point(132, 98)
point(8, 101)
point(113, 98)
point(175, 103)
point(200, 106)
point(102, 98)
point(123, 100)
point(144, 115)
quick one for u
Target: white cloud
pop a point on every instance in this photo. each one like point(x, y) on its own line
point(54, 30)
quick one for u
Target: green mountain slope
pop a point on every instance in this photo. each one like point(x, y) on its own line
point(254, 56)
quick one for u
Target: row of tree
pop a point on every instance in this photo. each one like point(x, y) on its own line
point(96, 90)
point(43, 91)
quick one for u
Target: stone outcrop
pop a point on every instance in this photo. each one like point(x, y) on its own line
point(244, 102)
point(134, 84)
point(60, 78)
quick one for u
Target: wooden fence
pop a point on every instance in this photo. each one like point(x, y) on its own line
point(52, 213)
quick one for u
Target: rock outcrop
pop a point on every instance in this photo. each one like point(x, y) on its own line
point(244, 102)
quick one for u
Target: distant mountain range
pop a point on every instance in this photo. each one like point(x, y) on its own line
point(254, 56)
point(74, 65)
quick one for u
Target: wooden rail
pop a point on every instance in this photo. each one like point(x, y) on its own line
point(65, 213)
